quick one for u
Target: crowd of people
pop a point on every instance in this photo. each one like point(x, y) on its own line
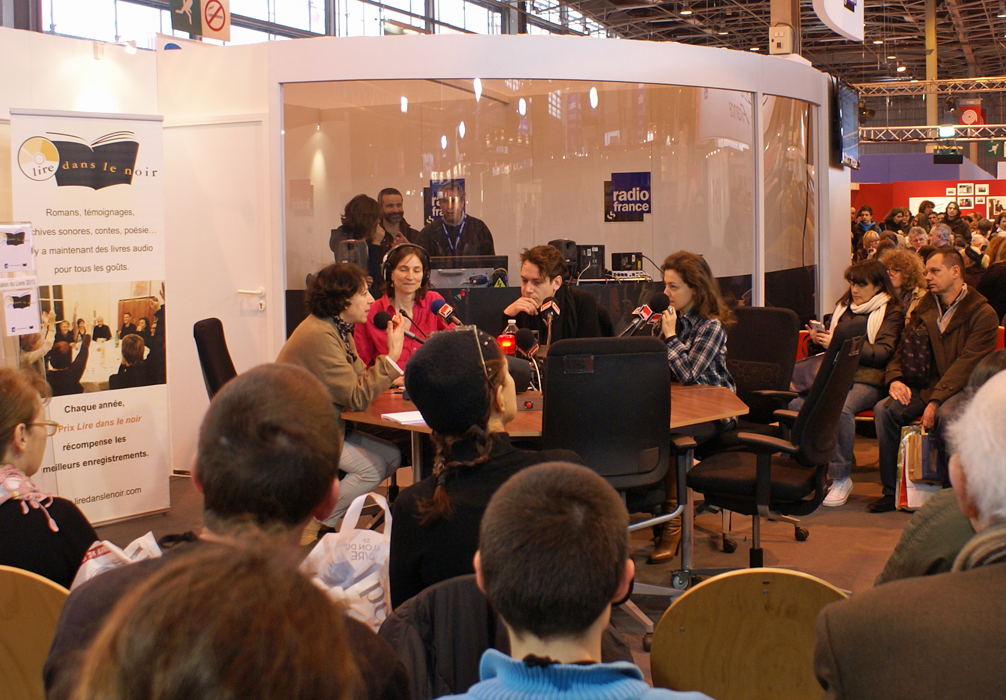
point(225, 614)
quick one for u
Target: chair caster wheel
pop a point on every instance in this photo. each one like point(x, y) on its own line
point(801, 534)
point(681, 580)
point(729, 545)
point(647, 642)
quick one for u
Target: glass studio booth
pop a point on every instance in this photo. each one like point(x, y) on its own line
point(543, 130)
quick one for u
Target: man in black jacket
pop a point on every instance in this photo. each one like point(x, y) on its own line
point(266, 461)
point(542, 274)
point(455, 232)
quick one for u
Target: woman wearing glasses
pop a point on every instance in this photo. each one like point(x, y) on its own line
point(460, 383)
point(41, 533)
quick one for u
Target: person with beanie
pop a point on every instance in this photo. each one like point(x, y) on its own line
point(460, 383)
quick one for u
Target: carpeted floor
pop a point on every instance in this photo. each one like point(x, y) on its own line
point(847, 547)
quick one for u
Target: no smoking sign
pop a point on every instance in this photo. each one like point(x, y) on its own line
point(217, 20)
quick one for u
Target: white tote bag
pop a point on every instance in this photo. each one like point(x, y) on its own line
point(352, 565)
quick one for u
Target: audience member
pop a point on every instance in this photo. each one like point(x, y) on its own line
point(127, 325)
point(952, 329)
point(553, 555)
point(222, 622)
point(455, 232)
point(975, 264)
point(908, 277)
point(64, 333)
point(892, 640)
point(926, 207)
point(80, 331)
point(870, 307)
point(41, 533)
point(64, 373)
point(460, 383)
point(868, 247)
point(958, 225)
point(266, 459)
point(917, 237)
point(543, 274)
point(984, 228)
point(939, 530)
point(406, 283)
point(100, 330)
point(998, 224)
point(133, 368)
point(940, 235)
point(885, 245)
point(393, 216)
point(993, 283)
point(35, 346)
point(361, 220)
point(863, 226)
point(323, 344)
point(896, 220)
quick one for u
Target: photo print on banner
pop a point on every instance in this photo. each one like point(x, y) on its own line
point(91, 187)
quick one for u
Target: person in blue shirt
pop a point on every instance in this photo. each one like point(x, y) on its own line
point(553, 555)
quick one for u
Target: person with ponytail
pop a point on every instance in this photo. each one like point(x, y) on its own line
point(460, 383)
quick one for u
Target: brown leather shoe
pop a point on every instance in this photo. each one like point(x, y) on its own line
point(670, 542)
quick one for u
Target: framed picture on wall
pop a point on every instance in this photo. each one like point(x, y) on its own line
point(981, 189)
point(951, 191)
point(979, 200)
point(966, 189)
point(966, 202)
point(996, 206)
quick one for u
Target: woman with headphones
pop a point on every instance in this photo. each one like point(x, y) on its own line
point(406, 273)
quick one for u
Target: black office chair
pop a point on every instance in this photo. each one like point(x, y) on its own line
point(761, 352)
point(756, 482)
point(215, 360)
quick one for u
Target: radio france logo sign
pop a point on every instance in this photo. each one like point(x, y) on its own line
point(108, 160)
point(627, 197)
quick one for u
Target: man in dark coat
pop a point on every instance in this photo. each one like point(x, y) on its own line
point(455, 232)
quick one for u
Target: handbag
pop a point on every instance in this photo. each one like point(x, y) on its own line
point(804, 372)
point(916, 356)
point(352, 565)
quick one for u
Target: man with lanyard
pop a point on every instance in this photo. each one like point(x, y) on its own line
point(393, 217)
point(959, 328)
point(455, 232)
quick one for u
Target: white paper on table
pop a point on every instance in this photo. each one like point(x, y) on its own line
point(21, 311)
point(15, 248)
point(405, 417)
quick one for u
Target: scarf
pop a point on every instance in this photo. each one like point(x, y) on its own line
point(345, 331)
point(876, 307)
point(986, 547)
point(15, 486)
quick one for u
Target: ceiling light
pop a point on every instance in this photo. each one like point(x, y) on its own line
point(461, 129)
point(443, 143)
point(754, 48)
point(593, 98)
point(477, 86)
point(1002, 11)
point(877, 42)
point(720, 30)
point(130, 47)
point(685, 10)
point(405, 104)
point(892, 58)
point(522, 106)
point(901, 67)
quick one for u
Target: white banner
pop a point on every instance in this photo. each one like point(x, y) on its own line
point(91, 185)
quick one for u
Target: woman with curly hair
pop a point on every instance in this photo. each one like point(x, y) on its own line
point(908, 277)
point(460, 383)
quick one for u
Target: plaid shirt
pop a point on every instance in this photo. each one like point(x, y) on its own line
point(698, 353)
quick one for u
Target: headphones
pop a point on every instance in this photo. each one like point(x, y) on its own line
point(424, 258)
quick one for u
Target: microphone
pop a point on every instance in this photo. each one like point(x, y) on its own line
point(445, 311)
point(414, 324)
point(548, 310)
point(657, 305)
point(526, 342)
point(383, 318)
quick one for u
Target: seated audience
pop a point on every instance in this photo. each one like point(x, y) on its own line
point(133, 369)
point(100, 330)
point(908, 277)
point(993, 283)
point(64, 333)
point(925, 209)
point(694, 328)
point(361, 221)
point(886, 243)
point(896, 221)
point(142, 330)
point(41, 533)
point(407, 288)
point(553, 556)
point(460, 383)
point(935, 636)
point(266, 459)
point(64, 373)
point(917, 237)
point(940, 235)
point(543, 273)
point(80, 331)
point(127, 325)
point(938, 530)
point(222, 623)
point(975, 264)
point(868, 246)
point(957, 224)
point(323, 344)
point(864, 225)
point(870, 306)
point(999, 224)
point(952, 329)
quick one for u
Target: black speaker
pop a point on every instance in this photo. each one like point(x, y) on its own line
point(353, 251)
point(948, 158)
point(627, 262)
point(569, 254)
point(590, 263)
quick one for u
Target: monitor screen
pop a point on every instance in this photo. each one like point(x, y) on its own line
point(848, 101)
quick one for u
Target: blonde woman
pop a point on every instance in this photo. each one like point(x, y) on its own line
point(907, 277)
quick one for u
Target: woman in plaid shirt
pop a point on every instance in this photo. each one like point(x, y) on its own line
point(694, 328)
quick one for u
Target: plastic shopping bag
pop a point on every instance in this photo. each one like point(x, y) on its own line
point(103, 556)
point(352, 565)
point(909, 494)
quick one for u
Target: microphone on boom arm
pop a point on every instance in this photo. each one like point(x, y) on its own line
point(445, 311)
point(657, 305)
point(383, 318)
point(528, 346)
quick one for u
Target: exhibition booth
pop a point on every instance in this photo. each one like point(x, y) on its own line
point(263, 145)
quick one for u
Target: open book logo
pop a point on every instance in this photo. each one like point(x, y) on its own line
point(16, 238)
point(21, 302)
point(106, 161)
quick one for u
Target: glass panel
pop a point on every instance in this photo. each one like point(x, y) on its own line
point(258, 9)
point(790, 204)
point(88, 20)
point(295, 13)
point(6, 198)
point(138, 23)
point(535, 156)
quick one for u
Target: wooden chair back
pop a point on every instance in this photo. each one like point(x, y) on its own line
point(744, 634)
point(29, 609)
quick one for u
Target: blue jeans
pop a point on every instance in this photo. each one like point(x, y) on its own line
point(861, 397)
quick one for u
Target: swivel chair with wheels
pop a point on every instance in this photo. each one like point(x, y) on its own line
point(774, 478)
point(214, 359)
point(761, 352)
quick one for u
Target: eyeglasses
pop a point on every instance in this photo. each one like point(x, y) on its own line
point(482, 358)
point(51, 426)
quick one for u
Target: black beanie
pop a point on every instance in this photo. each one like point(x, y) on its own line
point(446, 381)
